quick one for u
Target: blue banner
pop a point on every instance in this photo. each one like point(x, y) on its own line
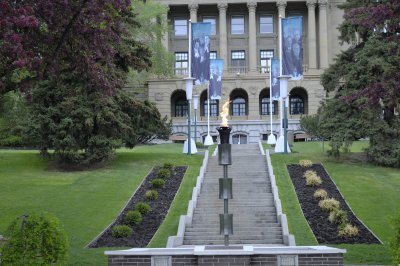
point(292, 50)
point(201, 52)
point(275, 73)
point(216, 70)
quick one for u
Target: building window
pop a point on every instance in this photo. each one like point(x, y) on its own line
point(265, 105)
point(266, 24)
point(239, 107)
point(181, 26)
point(238, 61)
point(213, 108)
point(237, 25)
point(181, 63)
point(181, 107)
point(296, 105)
point(239, 139)
point(265, 60)
point(213, 55)
point(213, 22)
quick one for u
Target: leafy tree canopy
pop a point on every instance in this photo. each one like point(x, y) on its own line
point(71, 59)
point(365, 78)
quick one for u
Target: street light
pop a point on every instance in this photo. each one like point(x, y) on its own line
point(195, 106)
point(282, 144)
point(189, 90)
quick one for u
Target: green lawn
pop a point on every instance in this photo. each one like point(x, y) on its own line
point(372, 192)
point(87, 201)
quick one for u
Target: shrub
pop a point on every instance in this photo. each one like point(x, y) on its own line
point(320, 194)
point(169, 166)
point(338, 216)
point(163, 173)
point(143, 207)
point(151, 195)
point(305, 163)
point(133, 217)
point(313, 180)
point(329, 204)
point(347, 230)
point(309, 173)
point(158, 183)
point(200, 145)
point(120, 231)
point(395, 241)
point(34, 239)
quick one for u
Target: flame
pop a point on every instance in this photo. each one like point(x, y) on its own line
point(224, 114)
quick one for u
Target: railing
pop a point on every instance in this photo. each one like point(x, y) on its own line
point(183, 72)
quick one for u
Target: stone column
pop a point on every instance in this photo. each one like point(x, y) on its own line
point(323, 34)
point(312, 35)
point(165, 37)
point(223, 40)
point(193, 12)
point(281, 4)
point(252, 36)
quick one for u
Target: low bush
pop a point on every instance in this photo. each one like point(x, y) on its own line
point(164, 173)
point(34, 239)
point(158, 183)
point(309, 173)
point(320, 194)
point(133, 217)
point(151, 194)
point(329, 204)
point(170, 166)
point(313, 181)
point(347, 230)
point(338, 216)
point(143, 208)
point(305, 163)
point(395, 241)
point(200, 145)
point(120, 231)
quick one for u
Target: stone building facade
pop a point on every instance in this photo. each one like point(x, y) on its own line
point(245, 35)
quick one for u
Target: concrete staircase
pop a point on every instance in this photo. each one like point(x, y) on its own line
point(255, 219)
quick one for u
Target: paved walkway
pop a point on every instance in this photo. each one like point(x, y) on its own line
point(254, 215)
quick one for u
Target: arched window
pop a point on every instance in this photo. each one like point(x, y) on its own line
point(181, 107)
point(239, 106)
point(239, 139)
point(265, 106)
point(213, 108)
point(296, 105)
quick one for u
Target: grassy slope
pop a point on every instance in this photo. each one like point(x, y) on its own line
point(372, 192)
point(87, 201)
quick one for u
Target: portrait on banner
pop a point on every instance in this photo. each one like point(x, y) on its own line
point(216, 70)
point(292, 49)
point(201, 52)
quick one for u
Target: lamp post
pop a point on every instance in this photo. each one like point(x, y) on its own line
point(282, 144)
point(195, 106)
point(189, 90)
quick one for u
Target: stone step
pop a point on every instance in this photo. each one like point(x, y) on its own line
point(233, 242)
point(202, 230)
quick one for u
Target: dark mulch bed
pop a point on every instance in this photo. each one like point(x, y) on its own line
point(143, 232)
point(324, 231)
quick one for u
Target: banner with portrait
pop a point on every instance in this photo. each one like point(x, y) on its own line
point(275, 84)
point(201, 52)
point(216, 70)
point(292, 50)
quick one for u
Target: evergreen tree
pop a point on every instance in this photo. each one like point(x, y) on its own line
point(365, 79)
point(71, 59)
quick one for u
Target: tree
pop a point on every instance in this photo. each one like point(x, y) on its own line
point(71, 59)
point(34, 239)
point(365, 78)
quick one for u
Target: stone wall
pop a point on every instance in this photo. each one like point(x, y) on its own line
point(228, 260)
